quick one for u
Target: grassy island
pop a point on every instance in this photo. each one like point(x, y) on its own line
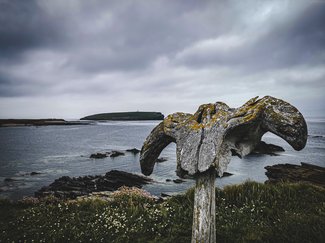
point(250, 212)
point(126, 116)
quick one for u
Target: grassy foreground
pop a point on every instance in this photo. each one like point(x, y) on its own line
point(250, 212)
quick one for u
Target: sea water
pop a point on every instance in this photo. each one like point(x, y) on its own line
point(55, 151)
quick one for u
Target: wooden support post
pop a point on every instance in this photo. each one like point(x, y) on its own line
point(204, 214)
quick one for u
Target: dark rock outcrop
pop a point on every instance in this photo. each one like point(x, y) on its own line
point(133, 151)
point(296, 173)
point(111, 154)
point(69, 188)
point(116, 154)
point(265, 148)
point(35, 173)
point(98, 155)
point(316, 136)
point(178, 181)
point(225, 174)
point(161, 159)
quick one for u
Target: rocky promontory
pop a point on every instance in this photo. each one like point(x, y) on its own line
point(71, 187)
point(296, 173)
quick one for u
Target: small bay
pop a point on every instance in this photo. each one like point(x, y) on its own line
point(55, 151)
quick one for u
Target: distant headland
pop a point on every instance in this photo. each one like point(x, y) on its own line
point(126, 116)
point(37, 122)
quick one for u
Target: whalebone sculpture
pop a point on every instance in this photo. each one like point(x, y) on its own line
point(206, 139)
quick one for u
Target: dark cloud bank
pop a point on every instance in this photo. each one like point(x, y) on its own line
point(73, 58)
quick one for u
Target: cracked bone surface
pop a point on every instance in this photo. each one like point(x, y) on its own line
point(206, 138)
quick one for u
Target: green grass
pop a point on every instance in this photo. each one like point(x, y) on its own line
point(250, 212)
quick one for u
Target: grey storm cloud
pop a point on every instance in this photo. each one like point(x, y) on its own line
point(297, 41)
point(100, 56)
point(23, 26)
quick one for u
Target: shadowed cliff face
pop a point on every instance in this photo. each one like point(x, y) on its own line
point(206, 139)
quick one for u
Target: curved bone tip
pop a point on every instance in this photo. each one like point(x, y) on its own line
point(300, 142)
point(286, 121)
point(146, 171)
point(300, 146)
point(147, 165)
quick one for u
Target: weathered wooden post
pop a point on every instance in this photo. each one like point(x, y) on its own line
point(205, 140)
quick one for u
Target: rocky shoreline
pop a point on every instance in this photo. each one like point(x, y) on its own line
point(72, 187)
point(296, 173)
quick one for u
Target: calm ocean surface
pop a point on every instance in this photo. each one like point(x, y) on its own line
point(56, 151)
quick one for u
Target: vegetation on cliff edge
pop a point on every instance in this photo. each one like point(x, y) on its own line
point(250, 212)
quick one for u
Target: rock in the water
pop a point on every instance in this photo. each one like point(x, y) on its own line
point(161, 159)
point(178, 181)
point(116, 154)
point(134, 150)
point(316, 136)
point(295, 173)
point(265, 148)
point(35, 173)
point(112, 154)
point(225, 174)
point(168, 180)
point(67, 187)
point(99, 155)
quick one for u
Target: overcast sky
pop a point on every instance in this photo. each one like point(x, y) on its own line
point(68, 59)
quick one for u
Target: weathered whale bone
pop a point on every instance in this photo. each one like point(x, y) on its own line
point(205, 140)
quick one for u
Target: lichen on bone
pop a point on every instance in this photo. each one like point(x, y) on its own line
point(205, 139)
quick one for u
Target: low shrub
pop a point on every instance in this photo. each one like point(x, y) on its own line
point(250, 212)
